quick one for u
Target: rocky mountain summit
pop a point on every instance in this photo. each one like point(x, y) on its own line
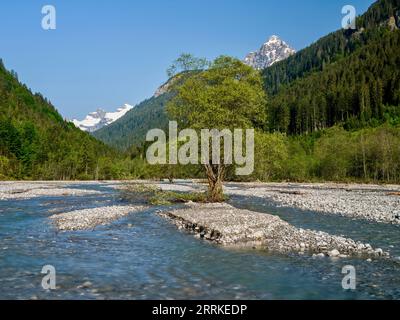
point(272, 51)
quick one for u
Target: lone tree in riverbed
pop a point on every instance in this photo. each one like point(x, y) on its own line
point(228, 95)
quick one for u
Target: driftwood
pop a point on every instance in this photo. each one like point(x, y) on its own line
point(20, 191)
point(297, 193)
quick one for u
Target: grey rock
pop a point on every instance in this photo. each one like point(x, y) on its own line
point(85, 285)
point(274, 50)
point(334, 253)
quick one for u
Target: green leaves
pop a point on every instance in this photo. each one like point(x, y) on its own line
point(228, 95)
point(187, 62)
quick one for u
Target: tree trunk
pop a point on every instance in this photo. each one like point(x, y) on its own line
point(96, 174)
point(215, 176)
point(364, 157)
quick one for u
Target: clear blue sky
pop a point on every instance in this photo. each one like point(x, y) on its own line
point(107, 53)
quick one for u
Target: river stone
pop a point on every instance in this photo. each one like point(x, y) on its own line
point(334, 253)
point(86, 284)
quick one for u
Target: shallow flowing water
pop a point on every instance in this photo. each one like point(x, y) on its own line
point(143, 256)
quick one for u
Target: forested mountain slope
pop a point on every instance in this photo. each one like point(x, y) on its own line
point(363, 87)
point(132, 128)
point(35, 141)
point(332, 47)
point(348, 77)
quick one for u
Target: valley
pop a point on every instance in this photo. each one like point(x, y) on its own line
point(271, 177)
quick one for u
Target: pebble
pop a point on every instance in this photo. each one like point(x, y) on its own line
point(85, 285)
point(334, 253)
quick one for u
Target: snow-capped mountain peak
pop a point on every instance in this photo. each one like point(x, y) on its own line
point(273, 39)
point(100, 118)
point(272, 51)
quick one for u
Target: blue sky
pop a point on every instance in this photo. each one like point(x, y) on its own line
point(107, 53)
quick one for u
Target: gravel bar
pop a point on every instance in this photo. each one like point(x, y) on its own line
point(90, 218)
point(22, 190)
point(229, 226)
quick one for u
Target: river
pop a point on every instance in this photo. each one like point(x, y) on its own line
point(143, 256)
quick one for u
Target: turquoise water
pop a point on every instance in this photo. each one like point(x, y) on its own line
point(143, 256)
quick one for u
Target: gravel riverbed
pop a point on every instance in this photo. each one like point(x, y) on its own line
point(150, 259)
point(370, 202)
point(379, 203)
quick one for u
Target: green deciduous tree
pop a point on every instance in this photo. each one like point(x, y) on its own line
point(271, 156)
point(229, 95)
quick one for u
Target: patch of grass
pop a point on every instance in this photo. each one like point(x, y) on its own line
point(138, 193)
point(149, 194)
